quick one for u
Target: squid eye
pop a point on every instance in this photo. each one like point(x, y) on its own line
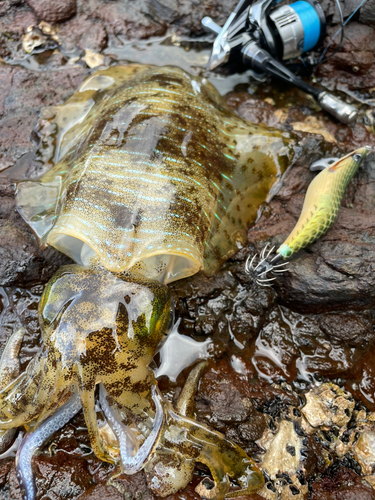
point(357, 157)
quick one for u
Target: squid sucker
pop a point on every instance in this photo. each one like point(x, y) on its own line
point(149, 178)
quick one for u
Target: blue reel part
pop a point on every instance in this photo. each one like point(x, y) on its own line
point(296, 28)
point(312, 25)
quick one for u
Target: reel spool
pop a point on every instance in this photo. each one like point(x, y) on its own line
point(297, 28)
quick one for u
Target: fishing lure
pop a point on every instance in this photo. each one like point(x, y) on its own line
point(150, 179)
point(319, 211)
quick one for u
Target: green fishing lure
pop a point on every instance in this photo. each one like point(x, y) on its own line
point(319, 211)
point(322, 202)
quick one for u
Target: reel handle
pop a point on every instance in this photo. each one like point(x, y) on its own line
point(260, 60)
point(210, 26)
point(344, 112)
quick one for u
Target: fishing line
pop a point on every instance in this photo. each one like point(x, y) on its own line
point(340, 30)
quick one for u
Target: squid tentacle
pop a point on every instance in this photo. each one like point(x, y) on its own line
point(132, 464)
point(34, 440)
point(9, 371)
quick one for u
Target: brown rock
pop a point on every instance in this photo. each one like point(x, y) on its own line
point(352, 67)
point(254, 109)
point(95, 38)
point(83, 33)
point(101, 492)
point(21, 259)
point(341, 484)
point(125, 18)
point(222, 399)
point(349, 328)
point(15, 492)
point(134, 486)
point(165, 10)
point(22, 21)
point(53, 11)
point(358, 61)
point(63, 475)
point(191, 14)
point(4, 471)
point(358, 37)
point(367, 15)
point(23, 95)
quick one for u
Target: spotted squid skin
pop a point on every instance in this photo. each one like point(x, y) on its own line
point(151, 171)
point(98, 328)
point(9, 370)
point(322, 202)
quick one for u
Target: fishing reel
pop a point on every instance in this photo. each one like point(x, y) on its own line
point(260, 35)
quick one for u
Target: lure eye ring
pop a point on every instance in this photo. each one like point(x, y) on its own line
point(357, 157)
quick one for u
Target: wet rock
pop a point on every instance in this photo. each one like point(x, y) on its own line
point(22, 261)
point(358, 37)
point(22, 20)
point(341, 484)
point(53, 11)
point(95, 38)
point(317, 350)
point(249, 432)
point(24, 94)
point(222, 306)
point(14, 21)
point(133, 487)
point(62, 475)
point(125, 18)
point(83, 33)
point(351, 67)
point(166, 10)
point(254, 109)
point(349, 328)
point(359, 61)
point(223, 400)
point(101, 492)
point(191, 15)
point(277, 335)
point(4, 471)
point(367, 15)
point(347, 6)
point(331, 284)
point(328, 405)
point(15, 492)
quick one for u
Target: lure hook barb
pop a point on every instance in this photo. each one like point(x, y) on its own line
point(267, 263)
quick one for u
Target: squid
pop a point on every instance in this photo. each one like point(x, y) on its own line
point(149, 178)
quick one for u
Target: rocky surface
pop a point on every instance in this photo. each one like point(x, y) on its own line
point(268, 344)
point(53, 11)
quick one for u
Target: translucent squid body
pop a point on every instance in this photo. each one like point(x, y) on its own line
point(319, 211)
point(149, 178)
